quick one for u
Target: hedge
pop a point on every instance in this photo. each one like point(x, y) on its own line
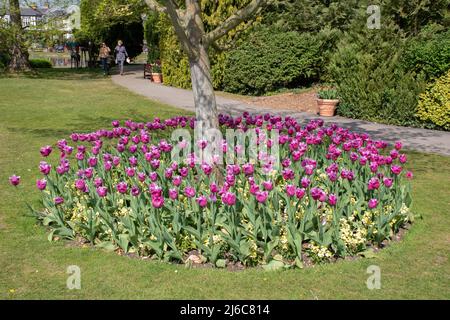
point(271, 59)
point(434, 104)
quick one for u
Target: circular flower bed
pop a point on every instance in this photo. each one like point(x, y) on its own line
point(334, 194)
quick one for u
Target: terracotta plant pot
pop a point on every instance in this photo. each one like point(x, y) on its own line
point(157, 77)
point(327, 107)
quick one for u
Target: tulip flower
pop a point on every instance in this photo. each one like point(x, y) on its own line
point(332, 199)
point(202, 201)
point(122, 187)
point(300, 193)
point(396, 169)
point(373, 184)
point(135, 191)
point(189, 192)
point(290, 190)
point(157, 202)
point(45, 151)
point(58, 200)
point(373, 203)
point(14, 180)
point(41, 184)
point(261, 196)
point(102, 191)
point(268, 185)
point(44, 167)
point(229, 198)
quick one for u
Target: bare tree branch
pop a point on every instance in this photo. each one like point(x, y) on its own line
point(155, 6)
point(234, 20)
point(178, 24)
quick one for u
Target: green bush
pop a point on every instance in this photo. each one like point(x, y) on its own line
point(271, 59)
point(434, 104)
point(371, 84)
point(40, 63)
point(429, 53)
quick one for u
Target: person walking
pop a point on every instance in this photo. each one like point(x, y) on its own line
point(121, 55)
point(104, 56)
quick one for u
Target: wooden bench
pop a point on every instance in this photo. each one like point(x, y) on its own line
point(147, 70)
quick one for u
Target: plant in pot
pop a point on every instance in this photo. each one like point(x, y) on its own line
point(327, 100)
point(156, 73)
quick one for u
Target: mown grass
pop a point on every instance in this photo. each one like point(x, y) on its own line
point(39, 110)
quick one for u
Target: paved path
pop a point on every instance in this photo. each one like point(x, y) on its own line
point(424, 140)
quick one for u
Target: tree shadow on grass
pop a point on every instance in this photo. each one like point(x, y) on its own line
point(84, 123)
point(59, 74)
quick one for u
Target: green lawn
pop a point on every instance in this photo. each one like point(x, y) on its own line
point(40, 109)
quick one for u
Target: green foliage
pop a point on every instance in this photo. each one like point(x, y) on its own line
point(272, 59)
point(152, 37)
point(327, 94)
point(370, 82)
point(434, 104)
point(40, 63)
point(429, 53)
point(175, 64)
point(112, 20)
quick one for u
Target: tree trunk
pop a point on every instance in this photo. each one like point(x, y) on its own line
point(202, 87)
point(19, 55)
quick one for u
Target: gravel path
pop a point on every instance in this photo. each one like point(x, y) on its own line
point(424, 140)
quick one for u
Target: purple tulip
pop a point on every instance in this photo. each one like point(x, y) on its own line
point(409, 175)
point(14, 180)
point(248, 169)
point(202, 201)
point(290, 190)
point(155, 163)
point(44, 167)
point(183, 171)
point(89, 172)
point(173, 193)
point(153, 176)
point(396, 169)
point(261, 196)
point(388, 182)
point(373, 203)
point(213, 188)
point(157, 202)
point(45, 151)
point(141, 176)
point(92, 161)
point(58, 200)
point(288, 174)
point(268, 185)
point(102, 191)
point(130, 172)
point(305, 182)
point(133, 161)
point(254, 188)
point(300, 193)
point(98, 182)
point(135, 191)
point(402, 158)
point(206, 168)
point(373, 184)
point(80, 184)
point(189, 192)
point(41, 184)
point(229, 198)
point(116, 161)
point(107, 165)
point(318, 194)
point(122, 187)
point(332, 199)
